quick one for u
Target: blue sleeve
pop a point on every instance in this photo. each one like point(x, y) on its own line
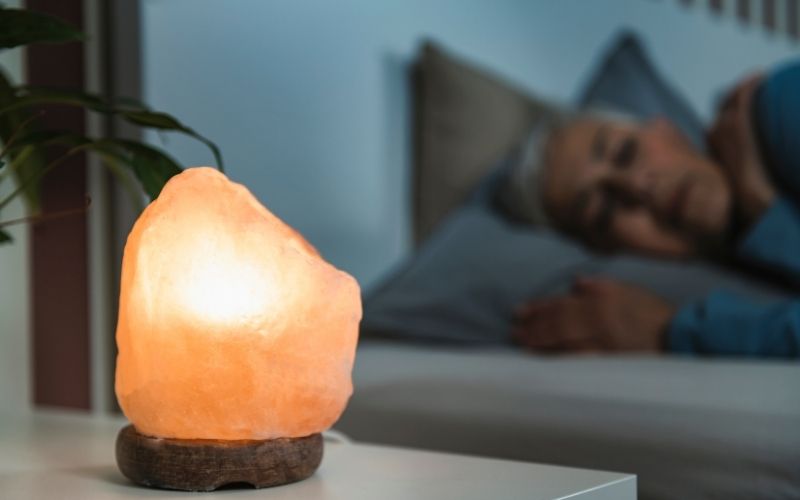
point(776, 115)
point(724, 324)
point(774, 241)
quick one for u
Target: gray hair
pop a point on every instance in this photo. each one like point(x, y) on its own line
point(521, 194)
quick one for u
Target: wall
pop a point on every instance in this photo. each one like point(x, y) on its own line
point(15, 377)
point(308, 102)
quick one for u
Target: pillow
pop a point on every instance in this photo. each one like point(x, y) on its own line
point(463, 283)
point(462, 286)
point(465, 120)
point(627, 81)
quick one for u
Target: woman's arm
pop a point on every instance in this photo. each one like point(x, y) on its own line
point(774, 241)
point(756, 140)
point(733, 143)
point(724, 324)
point(775, 114)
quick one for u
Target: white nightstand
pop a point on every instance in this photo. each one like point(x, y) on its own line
point(62, 455)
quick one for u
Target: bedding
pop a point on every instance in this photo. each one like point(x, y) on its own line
point(465, 120)
point(627, 80)
point(680, 424)
point(461, 286)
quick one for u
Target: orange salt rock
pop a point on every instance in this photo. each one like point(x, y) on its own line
point(231, 325)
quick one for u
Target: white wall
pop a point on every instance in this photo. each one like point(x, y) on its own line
point(307, 98)
point(15, 377)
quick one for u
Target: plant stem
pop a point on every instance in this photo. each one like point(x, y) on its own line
point(47, 216)
point(16, 132)
point(50, 166)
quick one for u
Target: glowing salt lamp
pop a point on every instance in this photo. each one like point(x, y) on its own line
point(236, 341)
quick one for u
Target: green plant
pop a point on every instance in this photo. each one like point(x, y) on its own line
point(29, 151)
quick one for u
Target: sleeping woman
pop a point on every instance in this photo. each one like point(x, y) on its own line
point(616, 184)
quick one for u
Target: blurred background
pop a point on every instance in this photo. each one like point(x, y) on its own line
point(309, 102)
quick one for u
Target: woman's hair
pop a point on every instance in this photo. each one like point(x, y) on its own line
point(521, 195)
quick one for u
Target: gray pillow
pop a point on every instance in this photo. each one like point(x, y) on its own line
point(461, 285)
point(464, 282)
point(627, 81)
point(465, 120)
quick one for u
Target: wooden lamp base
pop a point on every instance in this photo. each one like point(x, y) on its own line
point(205, 465)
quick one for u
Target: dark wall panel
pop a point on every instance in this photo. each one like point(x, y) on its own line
point(59, 272)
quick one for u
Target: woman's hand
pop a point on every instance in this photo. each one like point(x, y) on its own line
point(732, 142)
point(597, 315)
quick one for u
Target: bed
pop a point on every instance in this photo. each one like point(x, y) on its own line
point(681, 425)
point(435, 370)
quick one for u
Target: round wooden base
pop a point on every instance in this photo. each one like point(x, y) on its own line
point(205, 465)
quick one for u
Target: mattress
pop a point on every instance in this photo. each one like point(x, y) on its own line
point(687, 427)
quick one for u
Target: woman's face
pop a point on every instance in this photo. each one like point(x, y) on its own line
point(640, 187)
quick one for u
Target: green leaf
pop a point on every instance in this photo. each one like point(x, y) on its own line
point(5, 237)
point(27, 162)
point(119, 168)
point(24, 27)
point(129, 102)
point(163, 121)
point(42, 138)
point(28, 158)
point(129, 109)
point(154, 119)
point(151, 166)
point(8, 94)
point(30, 95)
point(37, 96)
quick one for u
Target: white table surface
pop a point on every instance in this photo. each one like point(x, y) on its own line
point(60, 455)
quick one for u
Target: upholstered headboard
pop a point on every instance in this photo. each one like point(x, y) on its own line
point(465, 119)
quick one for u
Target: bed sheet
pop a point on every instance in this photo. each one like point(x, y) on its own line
point(688, 427)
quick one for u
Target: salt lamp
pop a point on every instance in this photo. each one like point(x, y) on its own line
point(234, 335)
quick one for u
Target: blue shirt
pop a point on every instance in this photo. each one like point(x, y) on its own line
point(724, 323)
